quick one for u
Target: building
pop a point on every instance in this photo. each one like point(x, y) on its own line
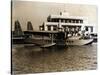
point(64, 22)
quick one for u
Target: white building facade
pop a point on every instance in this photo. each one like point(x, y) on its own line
point(64, 22)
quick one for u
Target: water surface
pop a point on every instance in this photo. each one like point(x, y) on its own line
point(34, 59)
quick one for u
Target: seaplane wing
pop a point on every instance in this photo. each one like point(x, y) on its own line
point(41, 39)
point(40, 32)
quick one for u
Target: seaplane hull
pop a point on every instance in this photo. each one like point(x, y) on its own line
point(41, 42)
point(79, 42)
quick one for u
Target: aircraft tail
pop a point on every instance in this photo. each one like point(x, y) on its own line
point(17, 29)
point(29, 26)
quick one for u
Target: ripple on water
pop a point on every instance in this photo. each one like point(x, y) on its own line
point(35, 59)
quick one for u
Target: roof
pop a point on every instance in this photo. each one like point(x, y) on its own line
point(67, 17)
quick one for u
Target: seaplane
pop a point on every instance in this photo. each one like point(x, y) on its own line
point(46, 39)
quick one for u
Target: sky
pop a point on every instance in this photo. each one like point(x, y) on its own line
point(37, 12)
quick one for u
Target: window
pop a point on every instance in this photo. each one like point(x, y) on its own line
point(81, 21)
point(65, 21)
point(91, 29)
point(49, 28)
point(62, 20)
point(69, 21)
point(54, 28)
point(77, 21)
point(86, 28)
point(73, 21)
